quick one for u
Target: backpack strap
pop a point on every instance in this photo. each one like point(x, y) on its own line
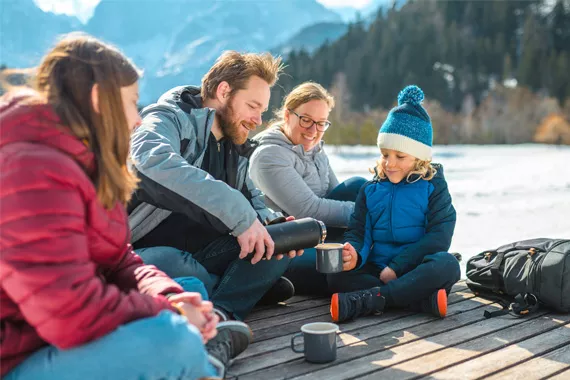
point(495, 271)
point(523, 305)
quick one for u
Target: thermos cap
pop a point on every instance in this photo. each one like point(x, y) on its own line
point(323, 231)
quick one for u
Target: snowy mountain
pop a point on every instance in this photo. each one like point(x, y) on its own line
point(175, 42)
point(312, 36)
point(27, 32)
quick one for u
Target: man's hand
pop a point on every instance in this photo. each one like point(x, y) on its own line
point(387, 275)
point(349, 257)
point(291, 254)
point(198, 313)
point(256, 238)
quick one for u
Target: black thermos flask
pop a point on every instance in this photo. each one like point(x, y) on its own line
point(297, 234)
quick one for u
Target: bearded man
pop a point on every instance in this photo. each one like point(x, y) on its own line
point(196, 209)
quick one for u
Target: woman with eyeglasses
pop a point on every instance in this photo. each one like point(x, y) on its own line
point(292, 169)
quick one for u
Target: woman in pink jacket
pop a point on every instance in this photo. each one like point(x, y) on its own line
point(75, 301)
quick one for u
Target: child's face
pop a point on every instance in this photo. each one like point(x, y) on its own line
point(396, 165)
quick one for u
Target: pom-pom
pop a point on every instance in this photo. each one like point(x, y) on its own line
point(411, 94)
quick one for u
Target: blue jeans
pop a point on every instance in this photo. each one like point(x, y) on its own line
point(180, 266)
point(437, 271)
point(302, 272)
point(160, 347)
point(241, 284)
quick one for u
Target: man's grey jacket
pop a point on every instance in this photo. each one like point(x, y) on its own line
point(167, 152)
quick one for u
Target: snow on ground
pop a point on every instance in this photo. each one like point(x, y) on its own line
point(502, 193)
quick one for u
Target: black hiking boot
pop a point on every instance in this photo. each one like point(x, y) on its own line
point(436, 304)
point(232, 339)
point(282, 290)
point(346, 306)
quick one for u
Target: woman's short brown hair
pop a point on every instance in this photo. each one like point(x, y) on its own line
point(236, 69)
point(65, 79)
point(301, 94)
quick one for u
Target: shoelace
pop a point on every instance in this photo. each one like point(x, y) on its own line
point(222, 350)
point(361, 302)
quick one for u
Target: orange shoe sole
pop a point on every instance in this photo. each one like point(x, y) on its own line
point(334, 307)
point(442, 302)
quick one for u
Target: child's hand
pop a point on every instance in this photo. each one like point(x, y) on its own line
point(387, 275)
point(349, 257)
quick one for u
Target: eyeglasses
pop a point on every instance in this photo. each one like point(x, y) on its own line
point(306, 122)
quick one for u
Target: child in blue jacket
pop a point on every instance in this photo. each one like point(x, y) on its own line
point(395, 251)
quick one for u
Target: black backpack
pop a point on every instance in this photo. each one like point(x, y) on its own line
point(523, 275)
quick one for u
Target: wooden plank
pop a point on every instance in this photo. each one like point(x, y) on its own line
point(382, 359)
point(419, 325)
point(299, 315)
point(543, 366)
point(469, 351)
point(358, 339)
point(306, 302)
point(285, 308)
point(508, 356)
point(292, 324)
point(281, 339)
point(564, 375)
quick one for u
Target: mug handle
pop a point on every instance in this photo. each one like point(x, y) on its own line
point(299, 335)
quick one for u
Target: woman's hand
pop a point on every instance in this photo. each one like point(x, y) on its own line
point(387, 275)
point(198, 313)
point(349, 257)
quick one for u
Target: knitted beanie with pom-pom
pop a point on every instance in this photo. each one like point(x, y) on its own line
point(408, 126)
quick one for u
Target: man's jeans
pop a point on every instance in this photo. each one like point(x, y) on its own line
point(437, 271)
point(241, 284)
point(160, 347)
point(180, 266)
point(302, 271)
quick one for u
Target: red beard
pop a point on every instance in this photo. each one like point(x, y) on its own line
point(231, 128)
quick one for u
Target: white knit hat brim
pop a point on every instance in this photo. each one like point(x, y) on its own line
point(404, 144)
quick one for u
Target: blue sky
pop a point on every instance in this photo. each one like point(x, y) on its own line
point(83, 9)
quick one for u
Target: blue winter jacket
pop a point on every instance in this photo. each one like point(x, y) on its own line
point(397, 225)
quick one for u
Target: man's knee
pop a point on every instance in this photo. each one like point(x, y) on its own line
point(159, 256)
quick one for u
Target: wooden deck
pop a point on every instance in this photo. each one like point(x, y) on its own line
point(408, 345)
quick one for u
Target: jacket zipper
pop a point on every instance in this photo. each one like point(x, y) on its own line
point(392, 195)
point(217, 142)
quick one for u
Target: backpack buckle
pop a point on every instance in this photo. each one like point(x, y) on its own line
point(524, 304)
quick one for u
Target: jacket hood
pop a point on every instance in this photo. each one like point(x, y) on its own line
point(274, 135)
point(186, 103)
point(184, 96)
point(23, 119)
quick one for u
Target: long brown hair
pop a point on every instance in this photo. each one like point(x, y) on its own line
point(65, 79)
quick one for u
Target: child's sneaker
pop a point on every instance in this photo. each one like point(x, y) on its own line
point(436, 304)
point(345, 306)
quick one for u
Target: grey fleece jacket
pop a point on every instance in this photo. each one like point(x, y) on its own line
point(295, 181)
point(168, 150)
